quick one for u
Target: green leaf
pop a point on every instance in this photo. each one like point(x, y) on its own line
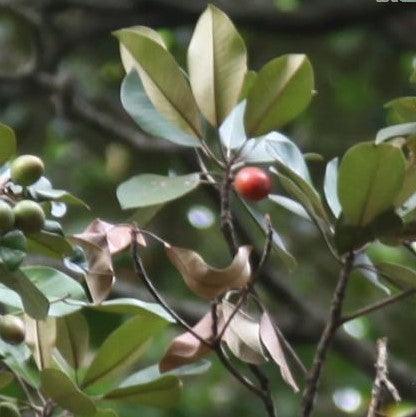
point(281, 91)
point(370, 178)
point(72, 339)
point(57, 386)
point(151, 189)
point(64, 293)
point(278, 243)
point(330, 187)
point(149, 388)
point(217, 63)
point(58, 195)
point(106, 413)
point(369, 271)
point(12, 249)
point(249, 79)
point(34, 302)
point(8, 143)
point(403, 129)
point(134, 307)
point(6, 378)
point(402, 109)
point(163, 80)
point(114, 358)
point(290, 205)
point(399, 275)
point(140, 108)
point(49, 244)
point(232, 132)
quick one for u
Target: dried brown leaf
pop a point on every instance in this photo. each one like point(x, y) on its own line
point(272, 344)
point(206, 281)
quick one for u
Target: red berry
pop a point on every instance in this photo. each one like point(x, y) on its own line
point(252, 183)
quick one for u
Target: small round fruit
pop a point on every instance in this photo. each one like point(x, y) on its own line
point(6, 217)
point(12, 329)
point(26, 170)
point(252, 183)
point(9, 410)
point(29, 216)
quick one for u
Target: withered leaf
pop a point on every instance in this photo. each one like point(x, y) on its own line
point(186, 348)
point(206, 281)
point(273, 346)
point(242, 335)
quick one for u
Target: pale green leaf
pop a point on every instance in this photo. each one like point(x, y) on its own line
point(163, 80)
point(217, 63)
point(140, 108)
point(401, 276)
point(290, 205)
point(232, 131)
point(402, 110)
point(7, 143)
point(151, 189)
point(330, 187)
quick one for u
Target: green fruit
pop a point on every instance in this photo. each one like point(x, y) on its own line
point(26, 170)
point(9, 410)
point(29, 216)
point(12, 330)
point(6, 217)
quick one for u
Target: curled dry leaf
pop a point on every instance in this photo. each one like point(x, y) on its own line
point(204, 280)
point(242, 335)
point(186, 348)
point(272, 344)
point(101, 240)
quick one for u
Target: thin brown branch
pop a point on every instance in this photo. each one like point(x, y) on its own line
point(377, 306)
point(381, 381)
point(327, 337)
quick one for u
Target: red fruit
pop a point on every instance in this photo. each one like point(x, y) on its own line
point(252, 183)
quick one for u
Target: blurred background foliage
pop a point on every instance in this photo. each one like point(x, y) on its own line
point(362, 54)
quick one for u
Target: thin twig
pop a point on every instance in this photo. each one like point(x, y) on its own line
point(327, 337)
point(381, 380)
point(377, 306)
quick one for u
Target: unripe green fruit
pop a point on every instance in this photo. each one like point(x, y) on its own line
point(9, 410)
point(29, 216)
point(6, 216)
point(26, 170)
point(12, 330)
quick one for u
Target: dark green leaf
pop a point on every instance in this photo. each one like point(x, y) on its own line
point(399, 275)
point(57, 386)
point(370, 178)
point(282, 90)
point(49, 244)
point(7, 143)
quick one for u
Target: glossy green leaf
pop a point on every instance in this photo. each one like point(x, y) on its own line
point(34, 302)
point(57, 386)
point(330, 187)
point(134, 307)
point(163, 80)
point(394, 131)
point(232, 131)
point(64, 293)
point(140, 108)
point(148, 388)
point(72, 339)
point(150, 189)
point(217, 63)
point(49, 244)
point(290, 205)
point(278, 244)
point(281, 91)
point(402, 109)
point(401, 276)
point(113, 358)
point(12, 249)
point(370, 178)
point(8, 143)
